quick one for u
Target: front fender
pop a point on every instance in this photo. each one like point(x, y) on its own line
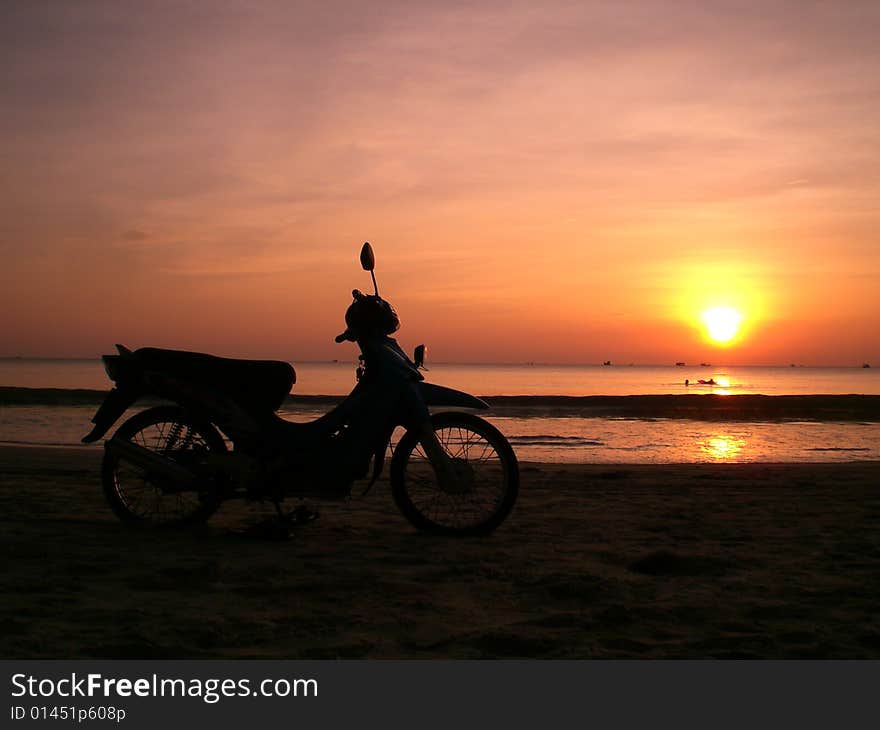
point(439, 397)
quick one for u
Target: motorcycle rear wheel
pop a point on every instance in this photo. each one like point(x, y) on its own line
point(486, 464)
point(139, 498)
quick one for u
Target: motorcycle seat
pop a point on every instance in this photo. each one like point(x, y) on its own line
point(257, 384)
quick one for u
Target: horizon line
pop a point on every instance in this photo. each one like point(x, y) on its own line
point(517, 363)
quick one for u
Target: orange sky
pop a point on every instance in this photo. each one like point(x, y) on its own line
point(554, 181)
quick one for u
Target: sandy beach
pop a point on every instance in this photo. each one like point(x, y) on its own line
point(669, 561)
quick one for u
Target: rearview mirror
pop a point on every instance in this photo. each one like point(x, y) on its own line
point(368, 260)
point(419, 355)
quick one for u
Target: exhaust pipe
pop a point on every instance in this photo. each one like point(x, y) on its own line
point(150, 461)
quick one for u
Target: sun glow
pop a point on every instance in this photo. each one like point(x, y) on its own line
point(723, 304)
point(722, 323)
point(722, 447)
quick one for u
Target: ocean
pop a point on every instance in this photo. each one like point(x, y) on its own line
point(337, 378)
point(537, 428)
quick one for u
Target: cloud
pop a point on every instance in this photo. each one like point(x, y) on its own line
point(234, 141)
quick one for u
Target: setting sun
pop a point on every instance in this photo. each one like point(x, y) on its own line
point(722, 323)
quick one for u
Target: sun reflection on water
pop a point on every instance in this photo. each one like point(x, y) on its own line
point(722, 448)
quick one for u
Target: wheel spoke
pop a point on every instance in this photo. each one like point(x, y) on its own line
point(147, 497)
point(484, 479)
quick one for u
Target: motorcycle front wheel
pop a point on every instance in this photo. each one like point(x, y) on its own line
point(142, 499)
point(487, 470)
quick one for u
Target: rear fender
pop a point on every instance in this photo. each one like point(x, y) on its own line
point(114, 405)
point(436, 396)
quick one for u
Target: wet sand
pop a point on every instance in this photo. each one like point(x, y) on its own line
point(669, 561)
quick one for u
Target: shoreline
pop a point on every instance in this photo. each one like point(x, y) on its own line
point(738, 561)
point(524, 464)
point(694, 406)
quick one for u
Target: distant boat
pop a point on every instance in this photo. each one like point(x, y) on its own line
point(705, 364)
point(710, 381)
point(866, 365)
point(607, 362)
point(679, 364)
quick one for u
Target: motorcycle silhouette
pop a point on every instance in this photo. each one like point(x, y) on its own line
point(219, 436)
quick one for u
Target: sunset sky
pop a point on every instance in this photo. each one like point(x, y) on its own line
point(550, 181)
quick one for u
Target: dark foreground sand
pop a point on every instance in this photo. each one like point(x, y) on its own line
point(757, 560)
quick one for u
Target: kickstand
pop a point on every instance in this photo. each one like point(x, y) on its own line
point(271, 529)
point(281, 526)
point(301, 515)
point(297, 516)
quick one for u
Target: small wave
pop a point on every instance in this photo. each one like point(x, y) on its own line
point(550, 440)
point(549, 437)
point(839, 448)
point(556, 444)
point(54, 444)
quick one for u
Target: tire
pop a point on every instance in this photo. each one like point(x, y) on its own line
point(139, 499)
point(479, 452)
